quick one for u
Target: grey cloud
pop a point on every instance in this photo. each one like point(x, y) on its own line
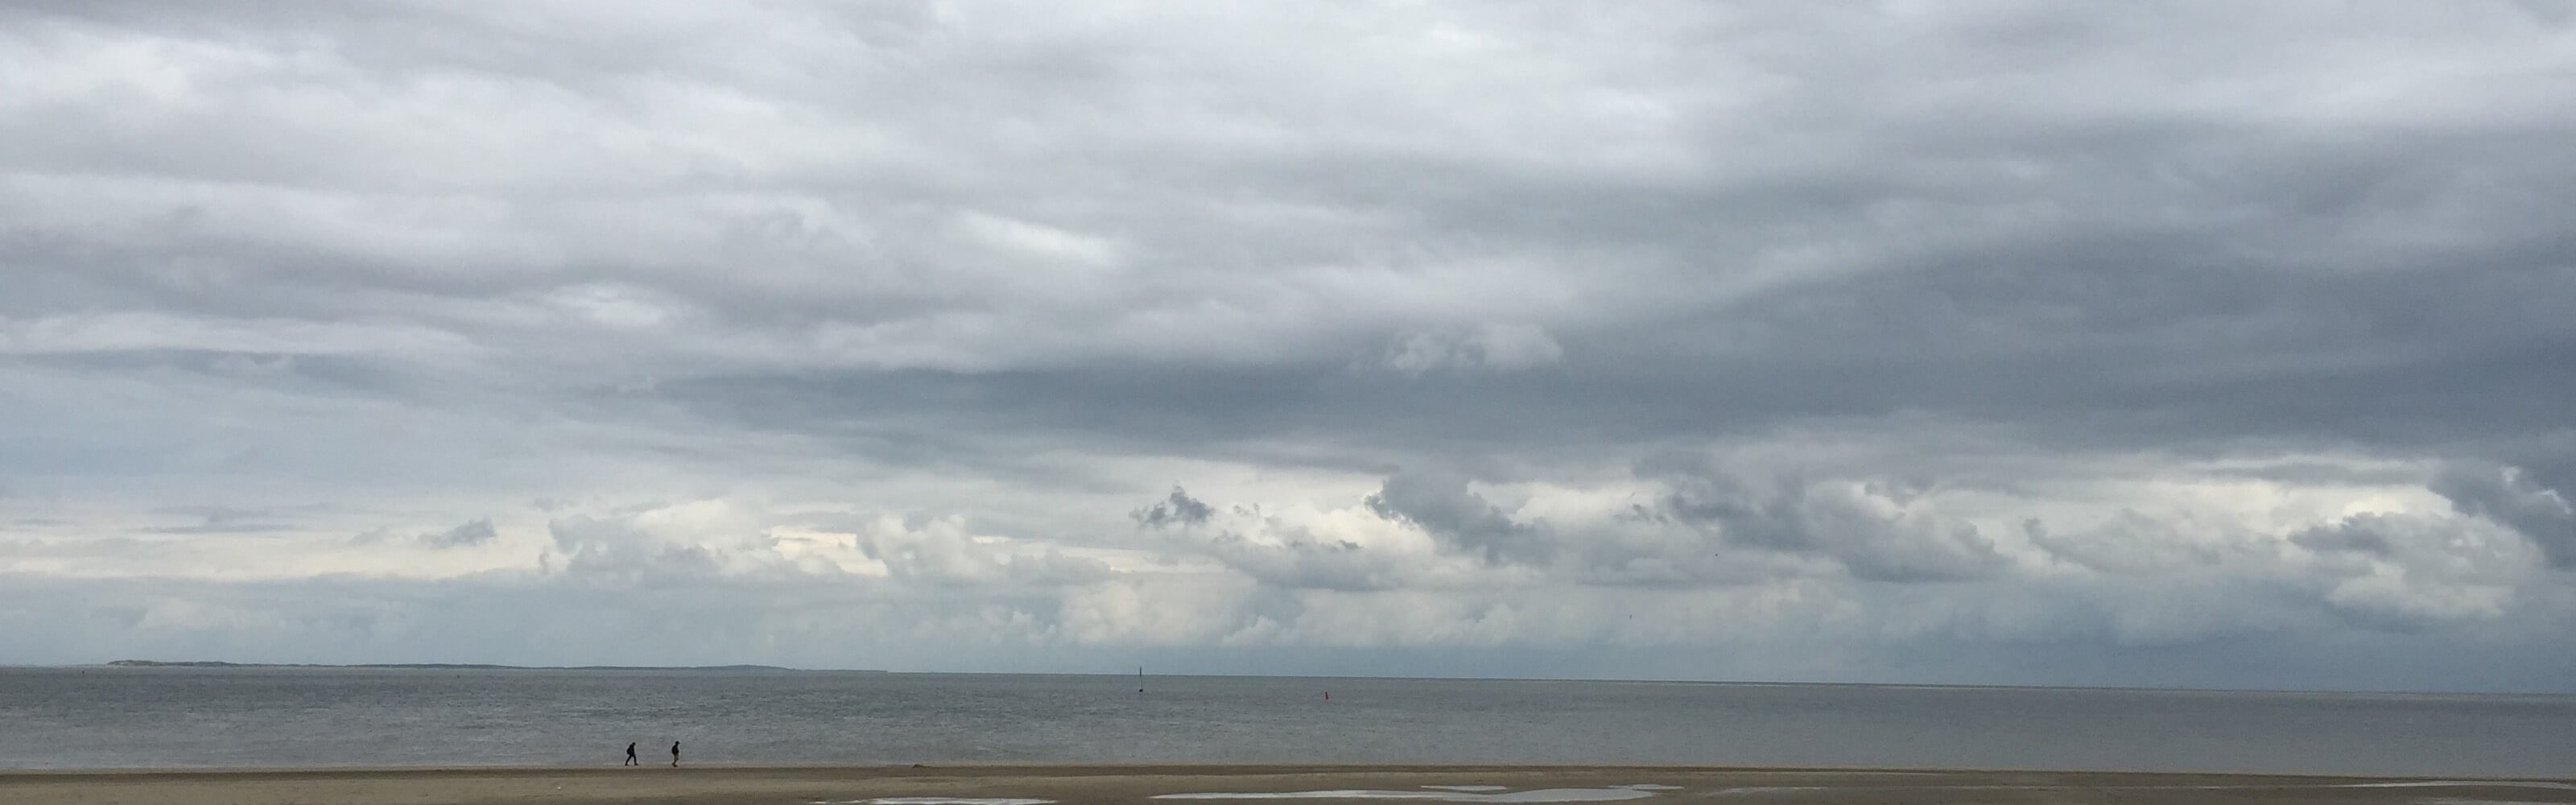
point(1491, 347)
point(1461, 520)
point(2363, 534)
point(222, 528)
point(1859, 527)
point(1177, 511)
point(1305, 561)
point(1656, 551)
point(611, 551)
point(1280, 555)
point(465, 535)
point(472, 533)
point(227, 520)
point(2509, 497)
point(2429, 545)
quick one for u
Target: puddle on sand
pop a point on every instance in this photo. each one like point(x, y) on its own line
point(1472, 789)
point(1445, 794)
point(2551, 785)
point(2548, 784)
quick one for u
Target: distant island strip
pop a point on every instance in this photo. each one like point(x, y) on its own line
point(459, 666)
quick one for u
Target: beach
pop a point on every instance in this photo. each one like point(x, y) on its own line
point(1185, 784)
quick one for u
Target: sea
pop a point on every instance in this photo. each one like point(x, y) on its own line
point(113, 717)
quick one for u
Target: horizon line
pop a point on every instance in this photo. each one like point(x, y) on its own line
point(219, 664)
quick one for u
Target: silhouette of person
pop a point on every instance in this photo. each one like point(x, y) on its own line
point(630, 755)
point(675, 754)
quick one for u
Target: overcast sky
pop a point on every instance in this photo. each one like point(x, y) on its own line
point(2214, 344)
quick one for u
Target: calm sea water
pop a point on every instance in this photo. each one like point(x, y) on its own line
point(119, 717)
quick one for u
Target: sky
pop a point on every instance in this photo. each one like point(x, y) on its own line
point(2180, 343)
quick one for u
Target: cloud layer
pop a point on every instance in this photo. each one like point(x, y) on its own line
point(1976, 342)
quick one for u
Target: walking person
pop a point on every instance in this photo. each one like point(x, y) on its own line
point(630, 755)
point(675, 754)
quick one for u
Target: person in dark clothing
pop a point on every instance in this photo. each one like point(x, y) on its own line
point(675, 754)
point(630, 755)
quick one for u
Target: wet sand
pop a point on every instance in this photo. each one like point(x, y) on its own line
point(1150, 785)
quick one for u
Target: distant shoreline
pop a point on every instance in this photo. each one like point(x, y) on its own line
point(459, 666)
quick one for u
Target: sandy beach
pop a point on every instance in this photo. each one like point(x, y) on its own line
point(1182, 785)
